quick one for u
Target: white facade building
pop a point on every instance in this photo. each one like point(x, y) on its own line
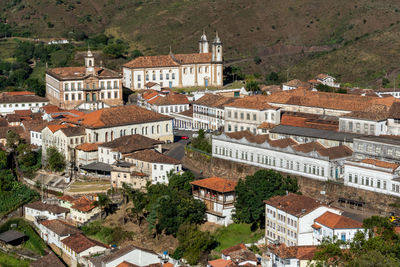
point(327, 80)
point(289, 219)
point(42, 209)
point(54, 231)
point(310, 160)
point(12, 101)
point(373, 175)
point(177, 70)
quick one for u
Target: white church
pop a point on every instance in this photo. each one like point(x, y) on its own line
point(177, 70)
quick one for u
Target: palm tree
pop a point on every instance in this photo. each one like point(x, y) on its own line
point(103, 203)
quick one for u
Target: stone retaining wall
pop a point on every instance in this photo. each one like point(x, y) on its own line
point(327, 192)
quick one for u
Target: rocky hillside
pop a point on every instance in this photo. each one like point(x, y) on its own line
point(358, 41)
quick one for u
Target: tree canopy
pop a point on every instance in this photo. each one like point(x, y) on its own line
point(252, 191)
point(56, 161)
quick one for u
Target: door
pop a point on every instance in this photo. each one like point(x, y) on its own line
point(170, 84)
point(206, 82)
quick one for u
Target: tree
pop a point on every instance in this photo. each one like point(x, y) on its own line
point(3, 160)
point(56, 161)
point(115, 50)
point(252, 86)
point(7, 180)
point(181, 182)
point(34, 85)
point(251, 192)
point(139, 201)
point(193, 243)
point(257, 60)
point(136, 53)
point(201, 142)
point(103, 202)
point(12, 139)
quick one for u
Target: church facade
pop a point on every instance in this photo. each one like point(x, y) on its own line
point(87, 87)
point(177, 70)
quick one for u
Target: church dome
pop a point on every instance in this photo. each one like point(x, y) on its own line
point(217, 40)
point(203, 38)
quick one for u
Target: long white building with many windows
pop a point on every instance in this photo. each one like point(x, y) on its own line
point(177, 70)
point(310, 160)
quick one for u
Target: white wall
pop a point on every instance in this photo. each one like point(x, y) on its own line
point(36, 138)
point(30, 214)
point(10, 108)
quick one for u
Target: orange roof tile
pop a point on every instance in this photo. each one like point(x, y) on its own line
point(257, 102)
point(281, 143)
point(83, 204)
point(20, 93)
point(335, 221)
point(51, 109)
point(88, 147)
point(266, 125)
point(54, 128)
point(293, 252)
point(79, 243)
point(80, 73)
point(171, 99)
point(234, 248)
point(217, 184)
point(220, 263)
point(379, 163)
point(316, 226)
point(171, 60)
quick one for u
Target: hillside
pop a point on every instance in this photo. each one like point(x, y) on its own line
point(354, 40)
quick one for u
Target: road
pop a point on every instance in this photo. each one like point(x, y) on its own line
point(177, 150)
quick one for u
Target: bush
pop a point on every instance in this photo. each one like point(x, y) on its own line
point(56, 161)
point(201, 142)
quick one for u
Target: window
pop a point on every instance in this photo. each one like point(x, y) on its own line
point(139, 85)
point(355, 179)
point(173, 76)
point(108, 85)
point(235, 115)
point(66, 87)
point(66, 97)
point(241, 116)
point(73, 97)
point(102, 85)
point(139, 77)
point(147, 77)
point(79, 86)
point(72, 86)
point(254, 117)
point(155, 166)
point(115, 84)
point(115, 94)
point(248, 116)
point(229, 114)
point(161, 76)
point(343, 236)
point(350, 178)
point(109, 95)
point(350, 126)
point(154, 76)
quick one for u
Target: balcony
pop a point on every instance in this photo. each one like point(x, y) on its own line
point(210, 197)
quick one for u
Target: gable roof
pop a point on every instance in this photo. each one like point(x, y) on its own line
point(88, 147)
point(59, 227)
point(83, 204)
point(21, 97)
point(336, 152)
point(216, 101)
point(171, 60)
point(257, 102)
point(234, 248)
point(259, 139)
point(117, 116)
point(296, 205)
point(171, 99)
point(374, 112)
point(67, 73)
point(217, 184)
point(380, 163)
point(308, 147)
point(293, 252)
point(130, 143)
point(79, 243)
point(335, 221)
point(148, 155)
point(53, 208)
point(50, 260)
point(73, 131)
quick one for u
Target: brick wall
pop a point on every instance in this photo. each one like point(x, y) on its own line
point(375, 203)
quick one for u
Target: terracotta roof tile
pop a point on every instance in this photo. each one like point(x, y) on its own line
point(171, 99)
point(67, 198)
point(79, 243)
point(296, 205)
point(216, 184)
point(39, 205)
point(153, 157)
point(83, 204)
point(259, 139)
point(116, 116)
point(24, 112)
point(50, 109)
point(220, 263)
point(316, 226)
point(60, 227)
point(335, 221)
point(234, 248)
point(9, 97)
point(308, 147)
point(322, 76)
point(56, 127)
point(211, 100)
point(188, 112)
point(88, 147)
point(149, 94)
point(293, 252)
point(379, 163)
point(281, 143)
point(374, 112)
point(336, 152)
point(50, 260)
point(19, 93)
point(73, 131)
point(266, 125)
point(65, 73)
point(394, 111)
point(171, 60)
point(258, 102)
point(130, 143)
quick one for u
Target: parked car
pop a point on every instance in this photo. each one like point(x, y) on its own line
point(184, 137)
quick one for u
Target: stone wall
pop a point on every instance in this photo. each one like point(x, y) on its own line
point(327, 192)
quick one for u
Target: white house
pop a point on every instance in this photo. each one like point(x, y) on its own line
point(327, 80)
point(154, 164)
point(373, 175)
point(44, 210)
point(332, 225)
point(177, 70)
point(171, 103)
point(209, 113)
point(82, 209)
point(295, 256)
point(125, 173)
point(219, 195)
point(248, 113)
point(11, 101)
point(289, 219)
point(311, 160)
point(54, 231)
point(294, 84)
point(79, 247)
point(184, 120)
point(128, 256)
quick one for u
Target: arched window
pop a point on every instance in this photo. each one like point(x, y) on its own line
point(106, 137)
point(124, 132)
point(132, 131)
point(147, 130)
point(158, 129)
point(90, 63)
point(120, 133)
point(142, 130)
point(112, 135)
point(135, 131)
point(166, 128)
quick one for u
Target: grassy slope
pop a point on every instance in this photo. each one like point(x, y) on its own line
point(234, 234)
point(247, 28)
point(7, 260)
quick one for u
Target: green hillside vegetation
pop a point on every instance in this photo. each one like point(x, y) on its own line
point(354, 40)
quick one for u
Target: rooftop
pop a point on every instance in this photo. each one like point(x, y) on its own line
point(118, 116)
point(257, 102)
point(296, 205)
point(21, 97)
point(335, 221)
point(187, 113)
point(79, 73)
point(214, 100)
point(59, 227)
point(259, 139)
point(130, 143)
point(73, 131)
point(216, 184)
point(79, 243)
point(171, 99)
point(293, 252)
point(88, 147)
point(50, 260)
point(374, 113)
point(152, 156)
point(171, 60)
point(380, 163)
point(53, 208)
point(83, 204)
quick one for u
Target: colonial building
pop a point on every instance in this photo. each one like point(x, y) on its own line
point(208, 111)
point(177, 70)
point(311, 160)
point(280, 255)
point(154, 164)
point(41, 209)
point(385, 148)
point(110, 123)
point(87, 87)
point(82, 209)
point(12, 101)
point(125, 173)
point(171, 103)
point(54, 231)
point(325, 79)
point(248, 113)
point(184, 120)
point(218, 195)
point(289, 219)
point(373, 175)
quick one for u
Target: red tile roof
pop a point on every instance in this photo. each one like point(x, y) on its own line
point(211, 100)
point(20, 93)
point(55, 128)
point(79, 73)
point(266, 125)
point(220, 263)
point(258, 102)
point(216, 184)
point(83, 204)
point(130, 143)
point(293, 252)
point(171, 60)
point(259, 139)
point(335, 221)
point(67, 198)
point(18, 97)
point(171, 99)
point(24, 112)
point(234, 248)
point(282, 143)
point(380, 163)
point(79, 243)
point(88, 147)
point(51, 109)
point(296, 205)
point(116, 116)
point(153, 157)
point(316, 226)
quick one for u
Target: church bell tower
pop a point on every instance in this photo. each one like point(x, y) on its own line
point(89, 62)
point(217, 49)
point(203, 44)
